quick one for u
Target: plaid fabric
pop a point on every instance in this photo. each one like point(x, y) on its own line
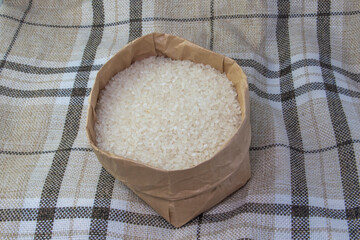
point(302, 60)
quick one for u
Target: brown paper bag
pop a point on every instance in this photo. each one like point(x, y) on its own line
point(178, 195)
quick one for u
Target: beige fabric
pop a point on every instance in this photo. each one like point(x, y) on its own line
point(302, 63)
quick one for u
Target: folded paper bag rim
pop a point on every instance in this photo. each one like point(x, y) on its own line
point(178, 195)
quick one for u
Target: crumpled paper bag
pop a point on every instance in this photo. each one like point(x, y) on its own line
point(178, 195)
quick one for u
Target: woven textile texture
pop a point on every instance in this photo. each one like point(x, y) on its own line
point(302, 59)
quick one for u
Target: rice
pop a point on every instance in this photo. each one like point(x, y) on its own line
point(168, 114)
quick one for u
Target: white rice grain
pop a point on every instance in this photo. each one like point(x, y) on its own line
point(166, 113)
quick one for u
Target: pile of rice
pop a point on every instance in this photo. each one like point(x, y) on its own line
point(169, 114)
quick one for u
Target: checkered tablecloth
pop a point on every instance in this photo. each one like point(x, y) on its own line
point(302, 59)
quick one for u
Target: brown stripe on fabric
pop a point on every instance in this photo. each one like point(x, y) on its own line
point(56, 173)
point(347, 160)
point(292, 15)
point(26, 68)
point(104, 190)
point(31, 214)
point(81, 92)
point(123, 22)
point(102, 203)
point(212, 25)
point(306, 88)
point(299, 193)
point(44, 152)
point(253, 148)
point(151, 19)
point(313, 151)
point(101, 207)
point(135, 30)
point(294, 66)
point(40, 93)
point(266, 72)
point(18, 214)
point(259, 208)
point(15, 36)
point(275, 210)
point(198, 229)
point(141, 219)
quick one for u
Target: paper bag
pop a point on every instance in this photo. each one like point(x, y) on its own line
point(178, 195)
